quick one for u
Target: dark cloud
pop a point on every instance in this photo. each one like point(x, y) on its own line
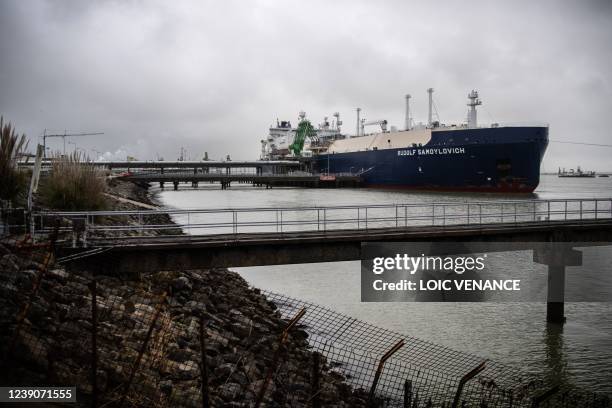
point(211, 76)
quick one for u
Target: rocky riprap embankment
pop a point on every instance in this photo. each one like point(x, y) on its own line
point(137, 192)
point(241, 337)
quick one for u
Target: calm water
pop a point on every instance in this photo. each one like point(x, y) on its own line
point(513, 333)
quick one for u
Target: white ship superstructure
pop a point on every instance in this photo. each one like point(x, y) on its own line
point(280, 136)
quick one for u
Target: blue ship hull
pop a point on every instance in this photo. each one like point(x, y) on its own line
point(502, 159)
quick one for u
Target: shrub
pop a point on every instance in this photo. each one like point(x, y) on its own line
point(13, 182)
point(73, 184)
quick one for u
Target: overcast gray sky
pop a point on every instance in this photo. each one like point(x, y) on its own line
point(212, 76)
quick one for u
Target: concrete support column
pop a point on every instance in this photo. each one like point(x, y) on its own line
point(556, 256)
point(161, 185)
point(555, 306)
point(176, 183)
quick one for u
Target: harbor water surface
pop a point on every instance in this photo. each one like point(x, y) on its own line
point(579, 353)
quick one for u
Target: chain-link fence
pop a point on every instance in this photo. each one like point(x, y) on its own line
point(421, 373)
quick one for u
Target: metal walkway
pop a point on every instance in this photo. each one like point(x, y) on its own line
point(138, 241)
point(279, 222)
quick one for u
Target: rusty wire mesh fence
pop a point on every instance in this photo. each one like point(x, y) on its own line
point(420, 373)
point(204, 338)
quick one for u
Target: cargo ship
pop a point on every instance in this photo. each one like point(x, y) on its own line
point(433, 156)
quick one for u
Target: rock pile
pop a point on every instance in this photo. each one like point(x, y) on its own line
point(241, 339)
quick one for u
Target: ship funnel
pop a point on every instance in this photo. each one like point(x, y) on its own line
point(408, 121)
point(430, 111)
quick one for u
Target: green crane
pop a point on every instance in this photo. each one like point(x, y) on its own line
point(304, 130)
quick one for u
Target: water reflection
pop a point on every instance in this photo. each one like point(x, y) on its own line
point(555, 358)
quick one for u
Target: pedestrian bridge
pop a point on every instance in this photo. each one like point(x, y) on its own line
point(133, 242)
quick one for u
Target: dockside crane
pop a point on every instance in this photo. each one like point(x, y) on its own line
point(304, 130)
point(64, 136)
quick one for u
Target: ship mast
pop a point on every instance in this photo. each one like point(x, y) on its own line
point(430, 111)
point(358, 122)
point(408, 121)
point(472, 116)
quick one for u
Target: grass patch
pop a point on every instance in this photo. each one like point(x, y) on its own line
point(73, 184)
point(13, 182)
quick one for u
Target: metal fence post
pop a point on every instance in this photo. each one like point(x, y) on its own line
point(433, 215)
point(444, 215)
point(203, 368)
point(515, 212)
point(315, 383)
point(407, 393)
point(381, 364)
point(324, 219)
point(143, 348)
point(275, 360)
point(94, 344)
point(33, 227)
point(473, 373)
point(396, 219)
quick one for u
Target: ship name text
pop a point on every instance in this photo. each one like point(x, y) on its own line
point(431, 151)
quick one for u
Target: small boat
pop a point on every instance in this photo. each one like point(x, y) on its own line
point(577, 173)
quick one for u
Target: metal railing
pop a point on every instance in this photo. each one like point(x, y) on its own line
point(322, 219)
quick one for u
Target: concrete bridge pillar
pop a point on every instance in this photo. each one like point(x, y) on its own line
point(176, 183)
point(161, 185)
point(162, 170)
point(194, 184)
point(556, 256)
